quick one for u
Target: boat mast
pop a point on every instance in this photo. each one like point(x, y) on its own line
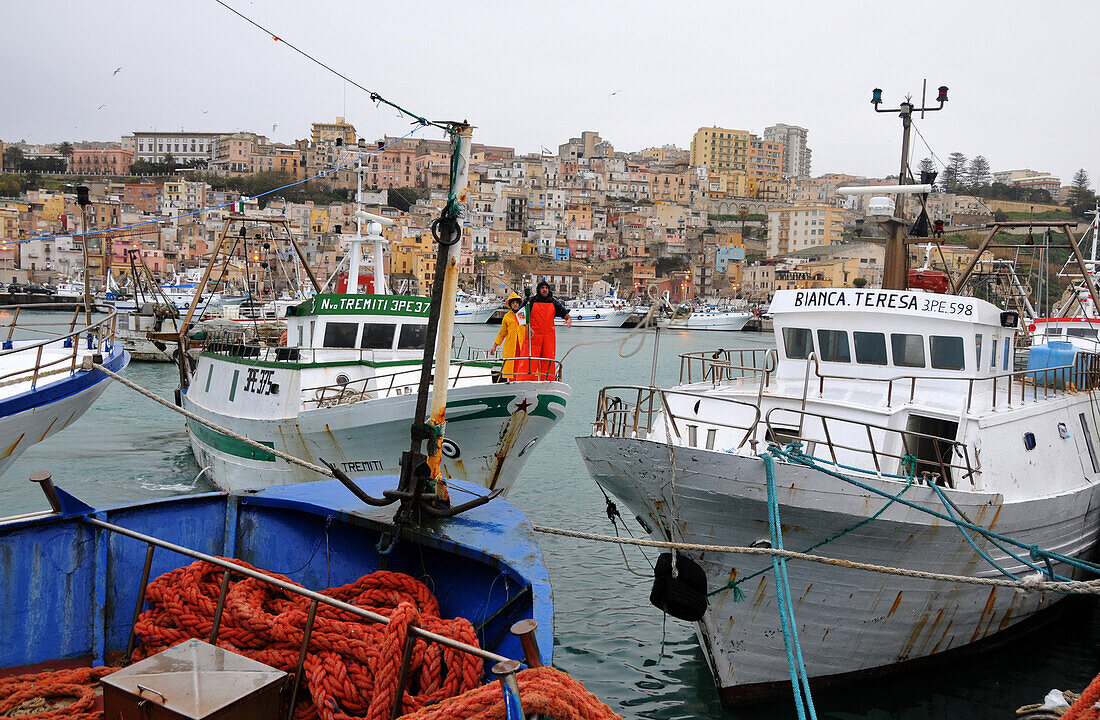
point(896, 271)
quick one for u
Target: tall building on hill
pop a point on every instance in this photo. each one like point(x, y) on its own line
point(796, 156)
point(721, 149)
point(329, 132)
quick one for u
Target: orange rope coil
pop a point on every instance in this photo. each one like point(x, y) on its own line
point(352, 666)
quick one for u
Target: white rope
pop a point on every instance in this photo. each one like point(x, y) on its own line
point(1029, 584)
point(216, 428)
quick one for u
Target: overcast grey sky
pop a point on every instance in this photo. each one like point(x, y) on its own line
point(1022, 74)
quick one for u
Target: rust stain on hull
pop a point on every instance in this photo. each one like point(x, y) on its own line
point(897, 601)
point(986, 617)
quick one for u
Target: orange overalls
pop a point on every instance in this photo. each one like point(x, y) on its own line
point(543, 344)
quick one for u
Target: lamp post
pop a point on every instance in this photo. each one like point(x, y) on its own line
point(895, 276)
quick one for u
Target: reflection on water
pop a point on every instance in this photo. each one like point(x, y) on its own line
point(607, 635)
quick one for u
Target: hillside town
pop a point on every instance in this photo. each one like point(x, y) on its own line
point(736, 215)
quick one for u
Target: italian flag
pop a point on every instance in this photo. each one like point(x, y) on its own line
point(238, 204)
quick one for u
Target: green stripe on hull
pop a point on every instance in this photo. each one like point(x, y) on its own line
point(228, 445)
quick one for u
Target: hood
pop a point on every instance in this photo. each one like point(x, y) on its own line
point(543, 284)
point(513, 296)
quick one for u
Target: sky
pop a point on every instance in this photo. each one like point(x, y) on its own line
point(531, 75)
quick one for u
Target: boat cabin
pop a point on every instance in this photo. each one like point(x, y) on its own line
point(882, 334)
point(359, 322)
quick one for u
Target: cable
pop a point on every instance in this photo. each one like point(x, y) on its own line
point(423, 121)
point(160, 221)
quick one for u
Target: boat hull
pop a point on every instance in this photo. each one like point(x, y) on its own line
point(492, 430)
point(722, 321)
point(852, 624)
point(31, 416)
point(71, 587)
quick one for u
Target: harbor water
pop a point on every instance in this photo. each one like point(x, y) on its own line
point(126, 448)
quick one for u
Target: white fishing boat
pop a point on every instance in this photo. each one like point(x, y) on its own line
point(900, 392)
point(343, 386)
point(47, 382)
point(609, 311)
point(474, 310)
point(708, 318)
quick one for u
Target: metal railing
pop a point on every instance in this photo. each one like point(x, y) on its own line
point(719, 365)
point(407, 381)
point(1081, 375)
point(95, 335)
point(948, 455)
point(630, 411)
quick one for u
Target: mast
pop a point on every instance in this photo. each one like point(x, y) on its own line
point(896, 271)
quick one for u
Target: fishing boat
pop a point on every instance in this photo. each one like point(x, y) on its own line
point(610, 311)
point(343, 386)
point(921, 398)
point(474, 310)
point(887, 427)
point(46, 380)
point(76, 577)
point(708, 318)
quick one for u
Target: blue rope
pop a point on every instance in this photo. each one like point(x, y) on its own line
point(966, 535)
point(800, 681)
point(1035, 551)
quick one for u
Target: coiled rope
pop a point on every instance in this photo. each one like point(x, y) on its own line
point(352, 667)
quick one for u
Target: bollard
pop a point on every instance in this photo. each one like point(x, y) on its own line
point(44, 478)
point(505, 670)
point(525, 631)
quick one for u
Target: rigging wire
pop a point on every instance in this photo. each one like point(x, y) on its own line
point(374, 96)
point(944, 166)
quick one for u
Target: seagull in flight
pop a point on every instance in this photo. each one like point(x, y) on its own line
point(101, 106)
point(116, 71)
point(274, 125)
point(614, 92)
point(205, 111)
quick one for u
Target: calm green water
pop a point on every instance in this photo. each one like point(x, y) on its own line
point(128, 449)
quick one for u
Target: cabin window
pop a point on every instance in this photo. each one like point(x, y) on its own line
point(908, 349)
point(946, 352)
point(1029, 441)
point(1008, 352)
point(978, 351)
point(1054, 331)
point(301, 331)
point(993, 356)
point(1088, 442)
point(833, 345)
point(412, 337)
point(340, 334)
point(870, 348)
point(798, 342)
point(377, 336)
point(1081, 332)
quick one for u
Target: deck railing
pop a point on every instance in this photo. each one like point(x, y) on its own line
point(93, 335)
point(407, 381)
point(716, 366)
point(631, 411)
point(946, 459)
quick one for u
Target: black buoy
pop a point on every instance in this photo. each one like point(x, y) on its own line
point(683, 596)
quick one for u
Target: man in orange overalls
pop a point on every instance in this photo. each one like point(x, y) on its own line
point(543, 344)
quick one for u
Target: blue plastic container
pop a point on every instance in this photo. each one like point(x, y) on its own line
point(1054, 354)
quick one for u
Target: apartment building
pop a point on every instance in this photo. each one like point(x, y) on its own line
point(182, 146)
point(796, 156)
point(101, 162)
point(331, 132)
point(801, 226)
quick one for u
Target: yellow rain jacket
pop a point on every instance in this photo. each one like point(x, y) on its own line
point(512, 339)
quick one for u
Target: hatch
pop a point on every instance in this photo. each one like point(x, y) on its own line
point(930, 440)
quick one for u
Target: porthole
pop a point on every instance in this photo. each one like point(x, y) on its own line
point(342, 379)
point(1029, 441)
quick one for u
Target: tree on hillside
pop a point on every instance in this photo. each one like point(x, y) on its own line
point(402, 198)
point(955, 172)
point(977, 174)
point(1081, 191)
point(66, 150)
point(13, 158)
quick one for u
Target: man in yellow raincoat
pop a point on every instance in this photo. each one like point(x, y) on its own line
point(512, 339)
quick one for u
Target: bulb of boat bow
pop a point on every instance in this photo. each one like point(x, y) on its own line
point(903, 435)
